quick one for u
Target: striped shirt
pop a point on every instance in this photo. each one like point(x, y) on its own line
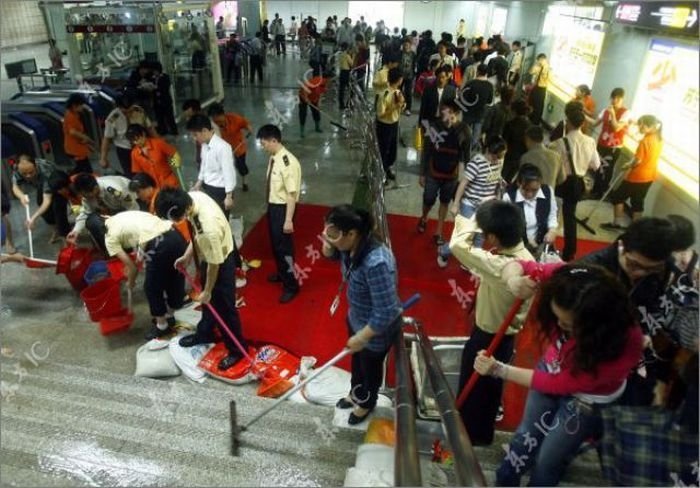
point(483, 180)
point(373, 296)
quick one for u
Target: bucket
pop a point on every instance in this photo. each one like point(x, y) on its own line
point(97, 271)
point(73, 262)
point(120, 321)
point(103, 299)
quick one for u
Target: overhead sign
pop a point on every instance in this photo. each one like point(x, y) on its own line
point(111, 28)
point(668, 89)
point(678, 17)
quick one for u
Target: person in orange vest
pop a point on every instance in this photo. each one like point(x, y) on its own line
point(153, 155)
point(310, 95)
point(76, 142)
point(146, 190)
point(231, 127)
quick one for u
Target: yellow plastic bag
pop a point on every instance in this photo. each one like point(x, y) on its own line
point(381, 431)
point(418, 139)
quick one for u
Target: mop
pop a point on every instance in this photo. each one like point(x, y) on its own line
point(613, 185)
point(235, 430)
point(31, 261)
point(330, 119)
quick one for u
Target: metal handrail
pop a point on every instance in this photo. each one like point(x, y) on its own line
point(406, 463)
point(467, 468)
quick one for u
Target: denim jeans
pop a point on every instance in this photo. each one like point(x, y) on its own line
point(476, 135)
point(547, 439)
point(466, 210)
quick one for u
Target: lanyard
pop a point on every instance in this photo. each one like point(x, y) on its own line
point(336, 300)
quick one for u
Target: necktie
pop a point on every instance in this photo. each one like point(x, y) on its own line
point(269, 175)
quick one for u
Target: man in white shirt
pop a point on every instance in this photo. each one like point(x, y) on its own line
point(578, 155)
point(217, 174)
point(280, 36)
point(515, 64)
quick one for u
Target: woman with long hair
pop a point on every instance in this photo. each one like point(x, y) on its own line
point(374, 312)
point(594, 342)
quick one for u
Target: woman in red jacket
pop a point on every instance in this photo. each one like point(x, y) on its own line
point(594, 343)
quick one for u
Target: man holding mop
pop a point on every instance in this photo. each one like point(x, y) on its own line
point(213, 251)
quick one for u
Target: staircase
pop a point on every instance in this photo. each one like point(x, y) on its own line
point(67, 425)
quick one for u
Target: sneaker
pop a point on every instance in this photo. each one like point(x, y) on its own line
point(500, 414)
point(442, 262)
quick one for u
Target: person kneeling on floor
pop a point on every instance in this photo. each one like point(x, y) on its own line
point(157, 244)
point(213, 252)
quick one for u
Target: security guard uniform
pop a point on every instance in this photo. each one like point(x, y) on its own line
point(283, 178)
point(213, 243)
point(159, 245)
point(114, 197)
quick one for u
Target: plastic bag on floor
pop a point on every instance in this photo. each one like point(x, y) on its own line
point(381, 431)
point(328, 387)
point(156, 363)
point(278, 367)
point(238, 374)
point(361, 478)
point(188, 314)
point(187, 358)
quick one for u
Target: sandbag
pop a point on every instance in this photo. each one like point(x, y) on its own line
point(188, 314)
point(187, 358)
point(328, 387)
point(155, 363)
point(238, 374)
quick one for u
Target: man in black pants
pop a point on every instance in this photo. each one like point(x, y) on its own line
point(390, 104)
point(52, 206)
point(257, 51)
point(158, 245)
point(578, 154)
point(213, 251)
point(217, 173)
point(283, 190)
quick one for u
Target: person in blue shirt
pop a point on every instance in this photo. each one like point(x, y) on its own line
point(374, 311)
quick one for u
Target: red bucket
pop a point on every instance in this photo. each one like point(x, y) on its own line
point(103, 299)
point(74, 262)
point(117, 323)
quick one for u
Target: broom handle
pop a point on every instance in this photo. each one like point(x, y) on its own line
point(216, 315)
point(298, 387)
point(330, 119)
point(407, 304)
point(29, 231)
point(495, 342)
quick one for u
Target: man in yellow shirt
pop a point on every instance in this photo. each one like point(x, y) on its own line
point(213, 251)
point(502, 226)
point(390, 104)
point(158, 245)
point(283, 191)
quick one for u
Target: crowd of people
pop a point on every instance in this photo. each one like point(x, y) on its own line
point(618, 326)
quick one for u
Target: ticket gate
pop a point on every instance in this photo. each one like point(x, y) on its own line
point(9, 160)
point(28, 135)
point(52, 120)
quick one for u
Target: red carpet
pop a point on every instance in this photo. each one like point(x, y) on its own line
point(305, 327)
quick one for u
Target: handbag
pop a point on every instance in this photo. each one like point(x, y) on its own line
point(573, 186)
point(418, 139)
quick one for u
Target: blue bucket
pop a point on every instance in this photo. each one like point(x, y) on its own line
point(97, 271)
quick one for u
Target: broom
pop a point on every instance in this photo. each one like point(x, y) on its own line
point(235, 430)
point(31, 261)
point(330, 119)
point(584, 222)
point(274, 386)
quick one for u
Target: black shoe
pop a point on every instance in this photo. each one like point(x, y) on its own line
point(193, 340)
point(229, 361)
point(354, 419)
point(288, 296)
point(344, 404)
point(245, 187)
point(274, 278)
point(154, 332)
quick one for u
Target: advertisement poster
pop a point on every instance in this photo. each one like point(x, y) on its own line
point(574, 58)
point(668, 89)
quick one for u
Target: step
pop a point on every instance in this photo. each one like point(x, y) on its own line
point(83, 424)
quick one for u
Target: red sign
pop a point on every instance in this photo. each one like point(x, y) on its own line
point(109, 28)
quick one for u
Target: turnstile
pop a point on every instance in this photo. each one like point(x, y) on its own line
point(9, 159)
point(27, 134)
point(52, 120)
